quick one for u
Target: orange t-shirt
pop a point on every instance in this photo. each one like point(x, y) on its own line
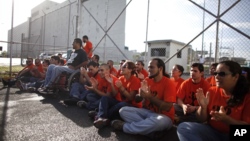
point(113, 71)
point(132, 84)
point(211, 80)
point(119, 73)
point(27, 67)
point(104, 86)
point(187, 91)
point(217, 99)
point(88, 48)
point(144, 72)
point(163, 90)
point(177, 82)
point(40, 68)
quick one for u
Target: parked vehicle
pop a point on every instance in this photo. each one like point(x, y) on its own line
point(44, 56)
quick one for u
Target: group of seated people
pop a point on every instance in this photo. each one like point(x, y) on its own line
point(146, 102)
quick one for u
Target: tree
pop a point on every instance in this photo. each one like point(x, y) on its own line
point(4, 54)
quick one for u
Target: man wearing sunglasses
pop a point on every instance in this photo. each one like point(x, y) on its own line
point(186, 104)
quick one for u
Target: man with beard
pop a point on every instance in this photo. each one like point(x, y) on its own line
point(159, 94)
point(87, 46)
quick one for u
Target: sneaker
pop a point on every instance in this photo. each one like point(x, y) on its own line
point(117, 124)
point(101, 122)
point(92, 114)
point(71, 101)
point(82, 104)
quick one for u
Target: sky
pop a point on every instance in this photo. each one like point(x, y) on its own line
point(168, 19)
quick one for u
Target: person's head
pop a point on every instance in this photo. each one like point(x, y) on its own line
point(139, 65)
point(128, 67)
point(60, 55)
point(85, 38)
point(110, 63)
point(93, 67)
point(54, 60)
point(61, 62)
point(95, 58)
point(29, 61)
point(121, 63)
point(177, 71)
point(246, 73)
point(228, 77)
point(46, 63)
point(213, 68)
point(37, 62)
point(156, 67)
point(77, 44)
point(104, 70)
point(196, 71)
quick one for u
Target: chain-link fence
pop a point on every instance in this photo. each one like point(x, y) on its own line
point(180, 32)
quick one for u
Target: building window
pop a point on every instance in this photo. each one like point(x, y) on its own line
point(178, 53)
point(158, 52)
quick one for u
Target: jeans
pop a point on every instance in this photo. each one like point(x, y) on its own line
point(93, 100)
point(192, 131)
point(78, 91)
point(109, 107)
point(143, 121)
point(48, 74)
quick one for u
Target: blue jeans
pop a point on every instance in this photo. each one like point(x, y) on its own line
point(78, 91)
point(143, 121)
point(190, 117)
point(48, 74)
point(93, 100)
point(192, 131)
point(109, 107)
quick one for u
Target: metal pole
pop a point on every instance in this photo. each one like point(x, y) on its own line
point(44, 25)
point(11, 37)
point(68, 24)
point(217, 33)
point(146, 44)
point(203, 22)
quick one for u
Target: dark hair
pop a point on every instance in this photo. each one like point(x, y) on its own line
point(57, 58)
point(46, 61)
point(199, 66)
point(160, 63)
point(140, 62)
point(92, 63)
point(79, 41)
point(180, 68)
point(247, 70)
point(131, 65)
point(97, 57)
point(214, 65)
point(30, 59)
point(85, 37)
point(241, 88)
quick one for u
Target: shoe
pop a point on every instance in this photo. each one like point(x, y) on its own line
point(43, 89)
point(82, 104)
point(117, 124)
point(31, 89)
point(92, 114)
point(101, 122)
point(71, 101)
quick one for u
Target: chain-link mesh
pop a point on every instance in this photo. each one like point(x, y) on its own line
point(116, 31)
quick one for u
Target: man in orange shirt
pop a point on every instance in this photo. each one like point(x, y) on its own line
point(87, 46)
point(211, 79)
point(186, 100)
point(141, 72)
point(176, 73)
point(159, 95)
point(119, 71)
point(113, 71)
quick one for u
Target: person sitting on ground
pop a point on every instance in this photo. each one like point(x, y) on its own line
point(186, 105)
point(63, 61)
point(211, 78)
point(78, 91)
point(120, 67)
point(226, 104)
point(87, 46)
point(95, 58)
point(176, 74)
point(113, 71)
point(159, 94)
point(128, 86)
point(104, 87)
point(77, 60)
point(141, 72)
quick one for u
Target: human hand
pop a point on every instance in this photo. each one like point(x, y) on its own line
point(144, 90)
point(140, 76)
point(108, 78)
point(118, 84)
point(83, 71)
point(202, 100)
point(218, 115)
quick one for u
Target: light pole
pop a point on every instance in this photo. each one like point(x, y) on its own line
point(54, 42)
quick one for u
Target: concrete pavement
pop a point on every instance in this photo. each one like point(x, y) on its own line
point(32, 117)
